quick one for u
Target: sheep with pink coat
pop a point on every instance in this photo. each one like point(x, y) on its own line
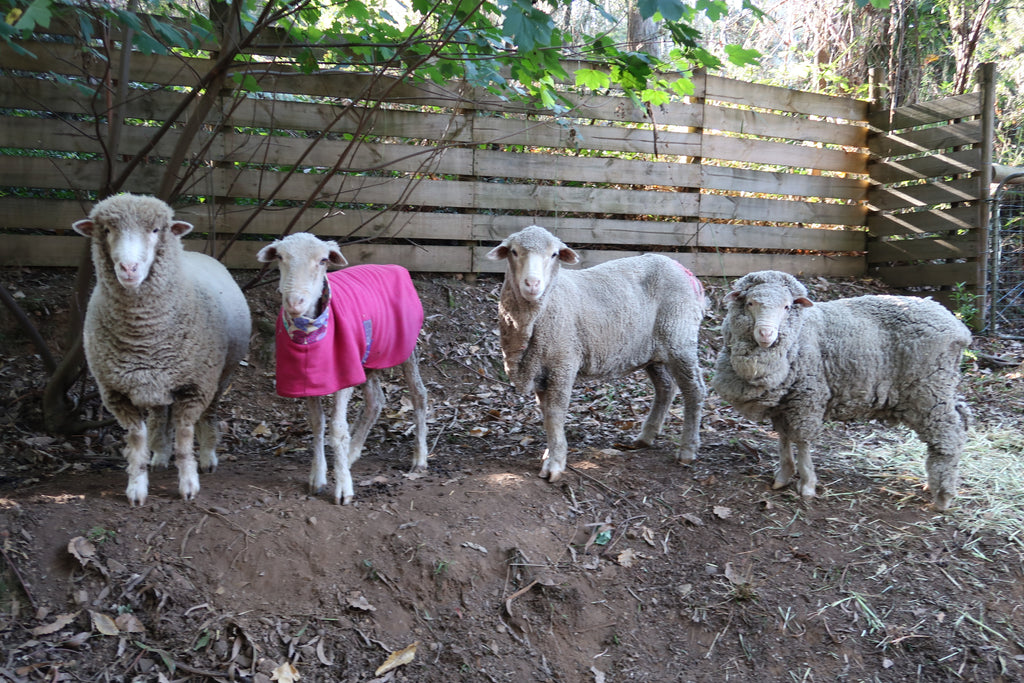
point(337, 331)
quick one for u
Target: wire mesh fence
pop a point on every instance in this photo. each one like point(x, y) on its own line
point(1006, 285)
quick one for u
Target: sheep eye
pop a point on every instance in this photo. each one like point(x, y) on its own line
point(555, 255)
point(156, 230)
point(323, 261)
point(515, 252)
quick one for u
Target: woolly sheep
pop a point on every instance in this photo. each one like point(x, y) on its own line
point(634, 313)
point(164, 330)
point(337, 331)
point(892, 358)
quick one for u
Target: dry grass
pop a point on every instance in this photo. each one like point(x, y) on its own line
point(991, 496)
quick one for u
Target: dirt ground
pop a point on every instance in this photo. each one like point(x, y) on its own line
point(632, 568)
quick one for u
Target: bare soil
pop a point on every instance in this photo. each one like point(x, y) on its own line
point(630, 568)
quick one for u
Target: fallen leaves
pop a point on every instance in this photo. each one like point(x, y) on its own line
point(60, 622)
point(397, 659)
point(286, 673)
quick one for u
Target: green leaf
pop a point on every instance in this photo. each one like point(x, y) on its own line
point(36, 14)
point(593, 79)
point(741, 56)
point(655, 98)
point(713, 9)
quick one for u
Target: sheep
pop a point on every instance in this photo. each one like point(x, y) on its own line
point(641, 312)
point(339, 330)
point(891, 358)
point(164, 329)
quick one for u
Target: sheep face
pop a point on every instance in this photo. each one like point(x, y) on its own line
point(533, 256)
point(768, 306)
point(129, 230)
point(302, 260)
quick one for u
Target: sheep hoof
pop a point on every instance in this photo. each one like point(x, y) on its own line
point(418, 469)
point(807, 492)
point(347, 500)
point(778, 484)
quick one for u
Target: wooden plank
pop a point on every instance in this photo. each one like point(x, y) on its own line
point(926, 139)
point(60, 251)
point(926, 275)
point(750, 122)
point(727, 178)
point(924, 194)
point(750, 150)
point(784, 99)
point(779, 211)
point(926, 222)
point(734, 235)
point(931, 166)
point(344, 226)
point(925, 113)
point(926, 249)
point(706, 264)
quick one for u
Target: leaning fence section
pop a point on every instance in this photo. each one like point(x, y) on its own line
point(738, 177)
point(928, 206)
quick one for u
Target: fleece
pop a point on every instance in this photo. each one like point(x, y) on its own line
point(370, 319)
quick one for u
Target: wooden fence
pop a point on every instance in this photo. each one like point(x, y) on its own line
point(739, 177)
point(928, 207)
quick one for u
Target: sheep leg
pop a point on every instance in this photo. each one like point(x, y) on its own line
point(787, 466)
point(317, 424)
point(207, 436)
point(158, 424)
point(805, 468)
point(664, 392)
point(418, 395)
point(340, 442)
point(136, 447)
point(184, 458)
point(686, 373)
point(554, 404)
point(373, 402)
point(945, 433)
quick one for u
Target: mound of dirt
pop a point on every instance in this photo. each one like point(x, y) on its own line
point(630, 568)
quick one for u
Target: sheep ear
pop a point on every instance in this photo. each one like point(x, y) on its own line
point(335, 256)
point(568, 255)
point(267, 254)
point(181, 228)
point(498, 253)
point(803, 301)
point(733, 296)
point(84, 227)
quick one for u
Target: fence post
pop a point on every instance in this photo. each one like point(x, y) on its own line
point(987, 85)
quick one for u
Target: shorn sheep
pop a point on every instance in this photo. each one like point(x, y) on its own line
point(337, 331)
point(634, 313)
point(164, 330)
point(890, 358)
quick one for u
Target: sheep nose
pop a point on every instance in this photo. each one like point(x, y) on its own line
point(295, 303)
point(532, 283)
point(129, 268)
point(765, 336)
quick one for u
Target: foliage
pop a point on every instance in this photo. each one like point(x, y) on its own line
point(513, 48)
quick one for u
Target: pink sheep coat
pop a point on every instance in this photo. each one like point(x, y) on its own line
point(370, 319)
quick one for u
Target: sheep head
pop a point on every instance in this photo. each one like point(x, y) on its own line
point(767, 298)
point(129, 231)
point(303, 260)
point(532, 256)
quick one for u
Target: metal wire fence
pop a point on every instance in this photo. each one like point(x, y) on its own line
point(1006, 284)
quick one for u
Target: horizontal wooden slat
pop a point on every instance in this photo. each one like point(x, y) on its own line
point(923, 249)
point(924, 113)
point(923, 222)
point(784, 99)
point(925, 194)
point(920, 168)
point(926, 140)
point(749, 122)
point(55, 251)
point(727, 178)
point(723, 265)
point(769, 210)
point(751, 150)
point(949, 274)
point(354, 224)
